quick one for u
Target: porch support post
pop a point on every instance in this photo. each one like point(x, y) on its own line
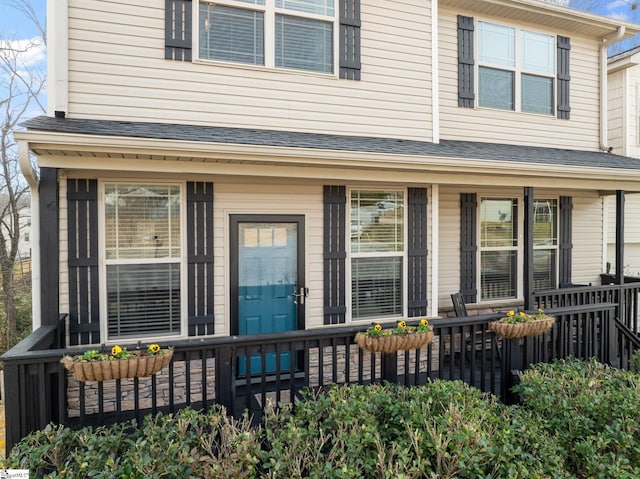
point(49, 246)
point(619, 236)
point(528, 248)
point(225, 379)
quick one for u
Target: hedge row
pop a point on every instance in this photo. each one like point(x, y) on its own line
point(578, 419)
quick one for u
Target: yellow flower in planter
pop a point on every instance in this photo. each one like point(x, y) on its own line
point(153, 349)
point(120, 353)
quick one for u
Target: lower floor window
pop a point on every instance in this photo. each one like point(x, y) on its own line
point(377, 253)
point(143, 260)
point(143, 298)
point(376, 287)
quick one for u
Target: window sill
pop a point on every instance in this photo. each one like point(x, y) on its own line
point(265, 69)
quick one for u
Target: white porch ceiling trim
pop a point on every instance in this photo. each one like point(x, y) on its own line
point(113, 153)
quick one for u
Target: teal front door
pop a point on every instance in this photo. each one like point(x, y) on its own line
point(267, 281)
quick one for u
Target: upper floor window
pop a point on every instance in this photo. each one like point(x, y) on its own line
point(516, 69)
point(295, 34)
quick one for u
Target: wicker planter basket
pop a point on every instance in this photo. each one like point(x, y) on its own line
point(138, 367)
point(394, 342)
point(520, 330)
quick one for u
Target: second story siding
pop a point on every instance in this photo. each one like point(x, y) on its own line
point(117, 70)
point(516, 127)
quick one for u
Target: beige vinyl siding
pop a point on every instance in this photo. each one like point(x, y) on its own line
point(631, 110)
point(255, 198)
point(117, 70)
point(487, 125)
point(449, 241)
point(631, 232)
point(617, 111)
point(586, 230)
point(587, 233)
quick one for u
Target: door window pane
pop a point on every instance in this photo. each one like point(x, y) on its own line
point(231, 34)
point(496, 44)
point(304, 44)
point(538, 52)
point(496, 88)
point(376, 287)
point(537, 94)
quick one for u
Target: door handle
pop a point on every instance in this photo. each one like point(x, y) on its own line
point(300, 295)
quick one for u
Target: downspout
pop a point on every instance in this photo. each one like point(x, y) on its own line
point(29, 172)
point(604, 97)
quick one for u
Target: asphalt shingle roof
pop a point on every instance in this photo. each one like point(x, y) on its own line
point(257, 137)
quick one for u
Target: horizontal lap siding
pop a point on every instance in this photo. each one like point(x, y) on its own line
point(283, 198)
point(619, 104)
point(630, 102)
point(449, 241)
point(118, 71)
point(580, 132)
point(587, 236)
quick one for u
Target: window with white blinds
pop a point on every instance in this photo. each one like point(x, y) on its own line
point(294, 34)
point(377, 253)
point(142, 256)
point(498, 248)
point(545, 244)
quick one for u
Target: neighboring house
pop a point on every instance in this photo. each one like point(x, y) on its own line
point(238, 167)
point(624, 137)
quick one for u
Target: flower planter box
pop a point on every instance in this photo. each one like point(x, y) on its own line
point(136, 367)
point(394, 342)
point(521, 329)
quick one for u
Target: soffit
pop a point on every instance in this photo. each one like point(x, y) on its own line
point(554, 17)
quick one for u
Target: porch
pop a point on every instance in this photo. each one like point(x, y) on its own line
point(600, 322)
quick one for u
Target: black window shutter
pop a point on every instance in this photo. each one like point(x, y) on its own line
point(200, 258)
point(177, 30)
point(564, 77)
point(417, 252)
point(350, 39)
point(566, 240)
point(466, 95)
point(335, 253)
point(84, 302)
point(468, 247)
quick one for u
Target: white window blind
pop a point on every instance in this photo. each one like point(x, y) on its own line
point(293, 34)
point(377, 253)
point(498, 248)
point(142, 254)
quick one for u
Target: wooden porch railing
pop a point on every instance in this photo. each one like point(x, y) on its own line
point(216, 370)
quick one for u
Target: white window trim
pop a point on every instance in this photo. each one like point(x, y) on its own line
point(270, 11)
point(102, 262)
point(517, 70)
point(350, 255)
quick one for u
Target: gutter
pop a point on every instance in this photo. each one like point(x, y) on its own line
point(29, 172)
point(604, 97)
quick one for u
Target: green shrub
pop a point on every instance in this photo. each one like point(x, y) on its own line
point(444, 429)
point(188, 444)
point(593, 410)
point(579, 419)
